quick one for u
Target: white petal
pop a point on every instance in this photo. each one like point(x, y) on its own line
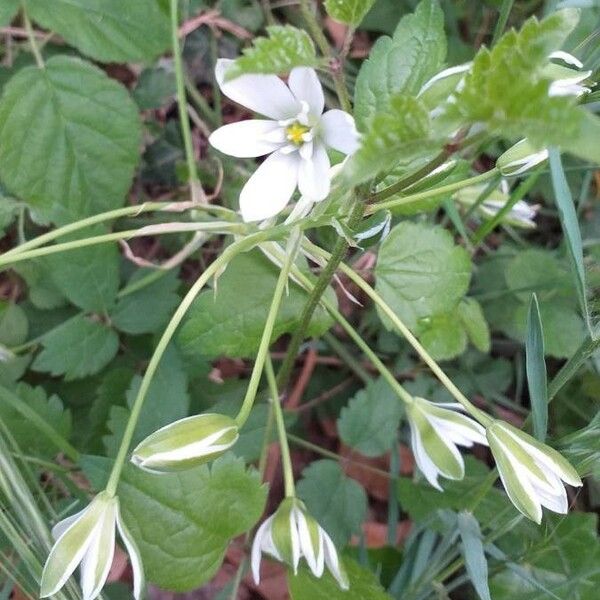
point(333, 563)
point(247, 139)
point(555, 500)
point(313, 175)
point(425, 464)
point(445, 73)
point(270, 188)
point(294, 539)
point(300, 209)
point(264, 94)
point(134, 556)
point(63, 525)
point(339, 131)
point(568, 58)
point(310, 553)
point(305, 85)
point(257, 548)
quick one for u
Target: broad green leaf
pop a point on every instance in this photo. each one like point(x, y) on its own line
point(8, 10)
point(370, 422)
point(157, 302)
point(13, 324)
point(50, 409)
point(87, 277)
point(42, 291)
point(285, 48)
point(230, 320)
point(247, 13)
point(398, 134)
point(338, 503)
point(402, 64)
point(9, 209)
point(183, 522)
point(350, 12)
point(474, 323)
point(107, 30)
point(421, 272)
point(79, 347)
point(444, 336)
point(69, 139)
point(536, 370)
point(475, 560)
point(364, 585)
point(154, 88)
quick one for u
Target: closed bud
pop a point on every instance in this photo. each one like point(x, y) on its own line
point(186, 443)
point(520, 158)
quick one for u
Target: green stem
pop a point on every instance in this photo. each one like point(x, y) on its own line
point(196, 190)
point(31, 37)
point(439, 191)
point(353, 364)
point(265, 340)
point(286, 461)
point(405, 331)
point(213, 269)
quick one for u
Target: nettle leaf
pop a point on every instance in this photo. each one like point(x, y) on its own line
point(8, 11)
point(363, 585)
point(69, 139)
point(50, 409)
point(370, 422)
point(285, 48)
point(507, 89)
point(421, 272)
point(107, 30)
point(183, 522)
point(230, 320)
point(338, 503)
point(351, 12)
point(398, 134)
point(148, 309)
point(79, 347)
point(402, 64)
point(87, 277)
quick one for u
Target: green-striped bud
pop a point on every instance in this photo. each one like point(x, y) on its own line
point(520, 158)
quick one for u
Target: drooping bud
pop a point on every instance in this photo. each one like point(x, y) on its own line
point(520, 158)
point(186, 443)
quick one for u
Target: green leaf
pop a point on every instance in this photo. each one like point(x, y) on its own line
point(338, 503)
point(473, 320)
point(154, 88)
point(402, 64)
point(158, 301)
point(77, 348)
point(421, 272)
point(13, 324)
point(370, 422)
point(42, 291)
point(444, 336)
point(9, 209)
point(70, 139)
point(230, 320)
point(536, 370)
point(285, 48)
point(398, 134)
point(87, 277)
point(107, 30)
point(183, 522)
point(472, 547)
point(351, 12)
point(8, 10)
point(363, 585)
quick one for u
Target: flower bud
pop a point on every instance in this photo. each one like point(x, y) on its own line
point(186, 443)
point(532, 473)
point(441, 86)
point(520, 158)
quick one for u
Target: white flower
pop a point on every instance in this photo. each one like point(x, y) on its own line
point(566, 81)
point(88, 539)
point(290, 534)
point(436, 429)
point(186, 443)
point(532, 473)
point(520, 158)
point(295, 135)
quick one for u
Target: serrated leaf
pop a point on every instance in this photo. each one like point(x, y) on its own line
point(421, 272)
point(370, 422)
point(183, 522)
point(351, 12)
point(364, 585)
point(398, 134)
point(402, 64)
point(77, 348)
point(230, 320)
point(107, 30)
point(69, 139)
point(157, 300)
point(338, 503)
point(285, 48)
point(475, 560)
point(13, 324)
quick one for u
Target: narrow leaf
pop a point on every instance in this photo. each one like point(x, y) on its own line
point(536, 370)
point(475, 561)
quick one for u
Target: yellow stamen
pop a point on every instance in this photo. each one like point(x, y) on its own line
point(295, 133)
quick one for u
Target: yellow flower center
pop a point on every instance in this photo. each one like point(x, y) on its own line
point(295, 133)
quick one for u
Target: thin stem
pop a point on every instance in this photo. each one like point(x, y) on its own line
point(286, 461)
point(405, 331)
point(439, 191)
point(265, 341)
point(353, 364)
point(196, 189)
point(31, 37)
point(214, 268)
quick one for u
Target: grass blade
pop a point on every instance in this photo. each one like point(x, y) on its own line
point(536, 370)
point(475, 561)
